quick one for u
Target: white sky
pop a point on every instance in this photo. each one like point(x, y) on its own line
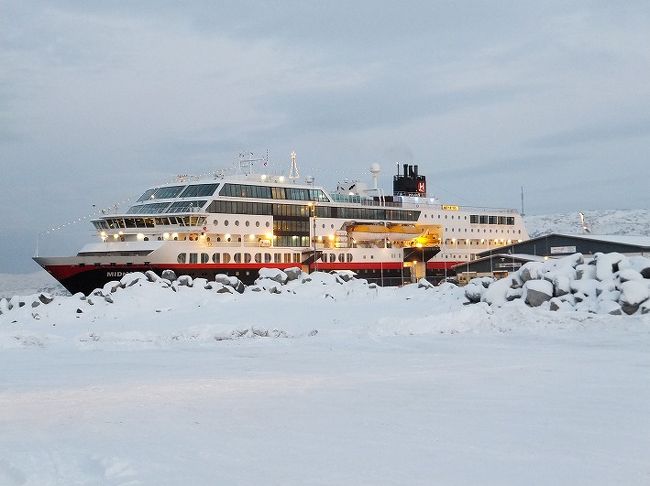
point(98, 100)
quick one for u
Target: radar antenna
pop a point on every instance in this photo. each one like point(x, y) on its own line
point(247, 161)
point(293, 171)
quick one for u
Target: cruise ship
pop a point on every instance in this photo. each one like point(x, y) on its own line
point(237, 223)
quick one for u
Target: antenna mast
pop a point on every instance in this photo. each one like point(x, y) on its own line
point(522, 200)
point(293, 172)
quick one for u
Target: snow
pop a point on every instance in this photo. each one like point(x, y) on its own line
point(326, 382)
point(606, 222)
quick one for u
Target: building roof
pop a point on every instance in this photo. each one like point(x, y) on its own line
point(510, 256)
point(634, 240)
point(640, 241)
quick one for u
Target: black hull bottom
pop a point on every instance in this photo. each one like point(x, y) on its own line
point(92, 278)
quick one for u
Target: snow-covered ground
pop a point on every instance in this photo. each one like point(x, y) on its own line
point(325, 382)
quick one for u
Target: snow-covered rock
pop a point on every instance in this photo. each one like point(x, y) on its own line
point(633, 293)
point(274, 274)
point(536, 292)
point(496, 294)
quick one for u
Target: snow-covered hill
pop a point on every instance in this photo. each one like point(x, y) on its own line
point(29, 283)
point(605, 222)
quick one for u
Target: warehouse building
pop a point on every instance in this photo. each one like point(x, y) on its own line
point(499, 262)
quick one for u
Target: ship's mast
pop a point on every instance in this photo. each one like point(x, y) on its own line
point(293, 171)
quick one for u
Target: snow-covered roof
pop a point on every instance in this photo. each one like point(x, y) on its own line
point(636, 240)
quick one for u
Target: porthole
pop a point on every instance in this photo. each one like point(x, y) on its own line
point(236, 222)
point(247, 257)
point(268, 224)
point(215, 222)
point(248, 223)
point(237, 257)
point(215, 258)
point(181, 258)
point(225, 223)
point(226, 257)
point(257, 223)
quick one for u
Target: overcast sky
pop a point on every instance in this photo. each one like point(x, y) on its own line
point(99, 99)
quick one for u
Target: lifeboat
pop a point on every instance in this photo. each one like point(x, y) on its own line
point(375, 232)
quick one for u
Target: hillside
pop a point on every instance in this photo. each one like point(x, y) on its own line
point(610, 221)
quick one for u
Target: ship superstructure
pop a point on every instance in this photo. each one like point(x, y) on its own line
point(236, 224)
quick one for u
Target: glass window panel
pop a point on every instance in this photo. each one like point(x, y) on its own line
point(167, 192)
point(199, 190)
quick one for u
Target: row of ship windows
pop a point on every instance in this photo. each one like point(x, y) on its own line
point(117, 223)
point(463, 241)
point(204, 258)
point(481, 219)
point(471, 230)
point(267, 209)
point(268, 192)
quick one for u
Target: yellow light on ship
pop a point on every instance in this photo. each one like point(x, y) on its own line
point(419, 245)
point(140, 236)
point(226, 236)
point(103, 234)
point(174, 235)
point(116, 236)
point(120, 233)
point(269, 235)
point(331, 237)
point(251, 237)
point(263, 177)
point(165, 236)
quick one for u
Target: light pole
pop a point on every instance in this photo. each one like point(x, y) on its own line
point(312, 210)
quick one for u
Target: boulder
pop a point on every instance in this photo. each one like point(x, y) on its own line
point(45, 298)
point(610, 307)
point(586, 271)
point(108, 299)
point(293, 273)
point(233, 282)
point(514, 293)
point(629, 274)
point(537, 292)
point(561, 285)
point(496, 293)
point(423, 283)
point(343, 275)
point(607, 265)
point(474, 292)
point(110, 287)
point(530, 271)
point(169, 275)
point(185, 281)
point(151, 276)
point(645, 273)
point(557, 304)
point(273, 274)
point(633, 294)
point(130, 279)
